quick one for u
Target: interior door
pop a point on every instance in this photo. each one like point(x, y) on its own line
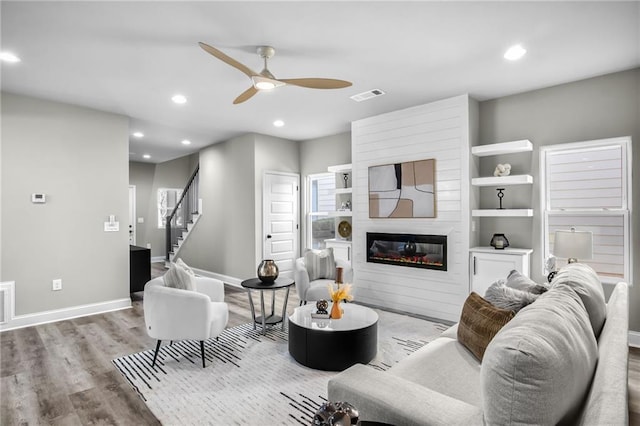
point(132, 215)
point(280, 225)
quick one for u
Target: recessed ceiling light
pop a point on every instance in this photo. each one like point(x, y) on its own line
point(186, 142)
point(8, 57)
point(515, 52)
point(138, 134)
point(146, 156)
point(278, 123)
point(179, 99)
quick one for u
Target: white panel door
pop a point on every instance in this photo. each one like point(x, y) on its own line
point(280, 205)
point(132, 215)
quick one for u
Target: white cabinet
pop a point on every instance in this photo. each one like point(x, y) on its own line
point(341, 249)
point(488, 265)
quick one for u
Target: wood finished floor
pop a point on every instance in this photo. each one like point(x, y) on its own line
point(61, 373)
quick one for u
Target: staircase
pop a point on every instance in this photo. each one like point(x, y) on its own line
point(183, 219)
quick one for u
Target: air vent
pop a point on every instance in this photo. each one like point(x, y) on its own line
point(367, 95)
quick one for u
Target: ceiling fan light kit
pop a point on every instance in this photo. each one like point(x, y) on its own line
point(265, 80)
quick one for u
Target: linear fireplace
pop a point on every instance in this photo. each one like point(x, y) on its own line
point(412, 250)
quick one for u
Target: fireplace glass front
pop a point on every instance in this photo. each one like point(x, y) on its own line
point(412, 250)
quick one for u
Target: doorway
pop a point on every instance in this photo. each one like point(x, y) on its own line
point(132, 215)
point(280, 220)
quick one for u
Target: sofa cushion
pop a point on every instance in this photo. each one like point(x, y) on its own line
point(538, 368)
point(521, 282)
point(180, 276)
point(501, 296)
point(444, 366)
point(320, 264)
point(584, 280)
point(479, 323)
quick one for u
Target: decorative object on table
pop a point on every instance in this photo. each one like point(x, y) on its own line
point(403, 190)
point(573, 244)
point(339, 274)
point(499, 242)
point(268, 271)
point(344, 229)
point(502, 170)
point(550, 267)
point(500, 195)
point(343, 292)
point(410, 248)
point(345, 177)
point(321, 306)
point(338, 414)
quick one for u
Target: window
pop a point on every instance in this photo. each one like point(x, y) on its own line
point(167, 200)
point(587, 185)
point(321, 189)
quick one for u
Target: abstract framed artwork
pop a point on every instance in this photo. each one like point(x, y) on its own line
point(403, 190)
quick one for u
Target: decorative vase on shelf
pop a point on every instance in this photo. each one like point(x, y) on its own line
point(336, 312)
point(268, 271)
point(499, 242)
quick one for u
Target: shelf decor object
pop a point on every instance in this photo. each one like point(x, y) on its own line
point(573, 244)
point(499, 242)
point(500, 197)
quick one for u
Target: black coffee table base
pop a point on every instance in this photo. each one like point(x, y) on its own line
point(332, 350)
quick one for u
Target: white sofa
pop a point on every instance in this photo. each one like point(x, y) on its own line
point(545, 366)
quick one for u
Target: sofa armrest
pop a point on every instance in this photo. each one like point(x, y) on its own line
point(383, 397)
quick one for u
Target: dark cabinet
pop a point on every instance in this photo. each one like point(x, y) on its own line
point(139, 268)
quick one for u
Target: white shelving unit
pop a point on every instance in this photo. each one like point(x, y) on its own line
point(513, 147)
point(341, 245)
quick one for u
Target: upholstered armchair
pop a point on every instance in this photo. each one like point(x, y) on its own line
point(316, 289)
point(177, 314)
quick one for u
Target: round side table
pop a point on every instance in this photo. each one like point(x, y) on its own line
point(256, 284)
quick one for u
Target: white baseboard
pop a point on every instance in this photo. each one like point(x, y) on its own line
point(232, 281)
point(21, 321)
point(158, 259)
point(634, 339)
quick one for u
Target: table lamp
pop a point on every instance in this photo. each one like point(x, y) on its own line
point(573, 244)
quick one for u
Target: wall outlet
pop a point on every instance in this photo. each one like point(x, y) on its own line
point(56, 285)
point(148, 245)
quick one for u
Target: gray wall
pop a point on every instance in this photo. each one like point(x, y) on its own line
point(148, 178)
point(78, 157)
point(315, 156)
point(228, 237)
point(596, 108)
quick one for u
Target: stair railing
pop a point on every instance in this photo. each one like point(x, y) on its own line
point(187, 205)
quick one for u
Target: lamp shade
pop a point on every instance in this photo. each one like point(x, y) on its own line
point(573, 245)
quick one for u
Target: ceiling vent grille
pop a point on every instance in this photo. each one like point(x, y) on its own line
point(367, 95)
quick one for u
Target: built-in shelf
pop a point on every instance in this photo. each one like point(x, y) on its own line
point(502, 213)
point(341, 213)
point(502, 148)
point(502, 180)
point(344, 190)
point(340, 168)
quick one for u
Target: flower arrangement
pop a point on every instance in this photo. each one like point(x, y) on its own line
point(343, 292)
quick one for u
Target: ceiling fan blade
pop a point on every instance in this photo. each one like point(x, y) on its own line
point(229, 60)
point(317, 83)
point(245, 95)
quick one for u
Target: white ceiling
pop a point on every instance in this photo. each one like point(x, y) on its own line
point(131, 57)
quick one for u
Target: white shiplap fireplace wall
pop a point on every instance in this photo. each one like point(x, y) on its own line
point(442, 130)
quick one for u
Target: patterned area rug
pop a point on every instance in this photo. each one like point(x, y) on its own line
point(251, 378)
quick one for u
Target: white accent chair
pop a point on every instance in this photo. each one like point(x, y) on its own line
point(317, 289)
point(176, 314)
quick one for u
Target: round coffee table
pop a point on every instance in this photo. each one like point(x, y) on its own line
point(333, 345)
point(264, 319)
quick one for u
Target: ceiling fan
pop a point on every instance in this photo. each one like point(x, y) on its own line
point(264, 80)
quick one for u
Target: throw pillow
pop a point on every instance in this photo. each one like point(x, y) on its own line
point(585, 282)
point(180, 277)
point(501, 296)
point(518, 281)
point(320, 264)
point(479, 323)
point(538, 369)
